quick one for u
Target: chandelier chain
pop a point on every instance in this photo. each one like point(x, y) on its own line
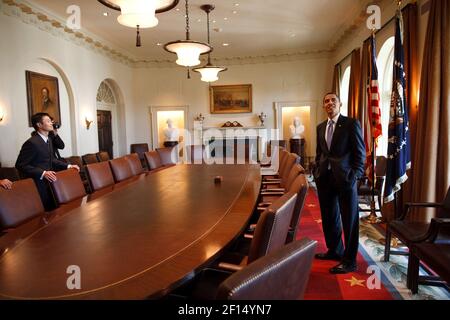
point(187, 21)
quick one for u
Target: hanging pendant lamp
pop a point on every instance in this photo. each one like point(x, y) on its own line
point(139, 14)
point(209, 72)
point(188, 51)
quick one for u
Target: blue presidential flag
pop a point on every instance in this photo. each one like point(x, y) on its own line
point(399, 158)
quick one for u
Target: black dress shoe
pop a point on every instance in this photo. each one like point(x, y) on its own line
point(344, 268)
point(328, 256)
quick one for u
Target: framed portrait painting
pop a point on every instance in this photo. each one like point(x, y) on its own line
point(231, 98)
point(43, 95)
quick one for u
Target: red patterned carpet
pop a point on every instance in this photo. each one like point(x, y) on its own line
point(325, 286)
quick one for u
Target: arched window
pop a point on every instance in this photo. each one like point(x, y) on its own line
point(385, 62)
point(345, 84)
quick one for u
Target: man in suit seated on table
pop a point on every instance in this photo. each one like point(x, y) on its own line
point(36, 159)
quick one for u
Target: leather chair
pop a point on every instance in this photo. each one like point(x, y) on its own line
point(300, 187)
point(410, 232)
point(435, 253)
point(284, 184)
point(140, 149)
point(365, 190)
point(135, 164)
point(76, 160)
point(20, 204)
point(102, 156)
point(168, 155)
point(11, 174)
point(195, 154)
point(270, 233)
point(68, 186)
point(100, 175)
point(89, 158)
point(121, 169)
point(280, 275)
point(153, 160)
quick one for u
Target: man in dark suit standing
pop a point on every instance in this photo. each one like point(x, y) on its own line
point(36, 159)
point(340, 161)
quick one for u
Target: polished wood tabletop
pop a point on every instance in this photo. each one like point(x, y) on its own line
point(136, 242)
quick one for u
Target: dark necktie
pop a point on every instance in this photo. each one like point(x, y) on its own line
point(330, 133)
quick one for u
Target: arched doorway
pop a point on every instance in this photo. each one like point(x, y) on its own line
point(107, 119)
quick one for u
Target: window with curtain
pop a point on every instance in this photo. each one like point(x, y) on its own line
point(385, 61)
point(345, 84)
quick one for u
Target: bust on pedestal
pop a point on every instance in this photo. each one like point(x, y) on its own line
point(171, 134)
point(297, 141)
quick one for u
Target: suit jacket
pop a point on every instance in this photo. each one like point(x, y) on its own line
point(347, 152)
point(36, 156)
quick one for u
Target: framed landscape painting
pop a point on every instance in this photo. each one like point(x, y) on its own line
point(231, 98)
point(43, 95)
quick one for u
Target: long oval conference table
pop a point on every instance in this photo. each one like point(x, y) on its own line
point(137, 242)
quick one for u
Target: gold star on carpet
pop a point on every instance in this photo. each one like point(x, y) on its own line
point(355, 282)
point(319, 221)
point(310, 205)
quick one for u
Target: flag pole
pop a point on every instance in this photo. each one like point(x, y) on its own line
point(372, 218)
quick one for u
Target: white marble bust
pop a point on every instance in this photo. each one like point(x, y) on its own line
point(297, 129)
point(171, 133)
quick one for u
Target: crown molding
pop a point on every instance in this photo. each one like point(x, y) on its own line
point(45, 21)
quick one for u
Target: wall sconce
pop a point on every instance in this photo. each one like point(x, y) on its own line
point(88, 123)
point(2, 115)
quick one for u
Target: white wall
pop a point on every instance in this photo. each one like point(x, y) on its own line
point(302, 80)
point(24, 47)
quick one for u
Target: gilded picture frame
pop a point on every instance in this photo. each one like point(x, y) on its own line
point(43, 95)
point(230, 99)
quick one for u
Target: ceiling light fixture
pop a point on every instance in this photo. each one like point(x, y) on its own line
point(209, 72)
point(139, 13)
point(188, 51)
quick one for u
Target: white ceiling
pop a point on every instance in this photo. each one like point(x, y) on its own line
point(258, 28)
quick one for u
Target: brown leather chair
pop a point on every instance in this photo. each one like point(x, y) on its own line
point(284, 184)
point(196, 154)
point(153, 160)
point(168, 155)
point(102, 156)
point(140, 149)
point(68, 186)
point(410, 232)
point(89, 158)
point(281, 275)
point(435, 253)
point(121, 169)
point(270, 232)
point(19, 204)
point(365, 190)
point(11, 174)
point(100, 175)
point(135, 164)
point(76, 160)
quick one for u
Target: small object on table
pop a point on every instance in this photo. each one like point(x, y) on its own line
point(218, 179)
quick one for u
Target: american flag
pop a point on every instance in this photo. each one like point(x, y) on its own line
point(399, 157)
point(373, 118)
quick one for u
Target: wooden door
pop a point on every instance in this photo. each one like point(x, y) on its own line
point(105, 141)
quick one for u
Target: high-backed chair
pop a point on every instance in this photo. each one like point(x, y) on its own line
point(435, 253)
point(102, 156)
point(11, 174)
point(284, 184)
point(89, 158)
point(410, 232)
point(135, 164)
point(196, 153)
point(270, 232)
point(19, 204)
point(168, 155)
point(364, 188)
point(153, 160)
point(76, 160)
point(121, 169)
point(281, 275)
point(100, 175)
point(140, 149)
point(68, 186)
